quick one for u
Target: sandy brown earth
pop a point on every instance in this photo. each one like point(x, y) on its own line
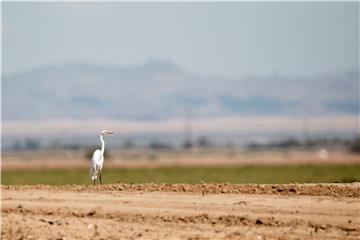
point(45, 159)
point(182, 211)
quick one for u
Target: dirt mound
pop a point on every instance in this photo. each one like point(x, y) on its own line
point(344, 190)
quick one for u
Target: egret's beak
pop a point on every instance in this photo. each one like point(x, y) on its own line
point(108, 132)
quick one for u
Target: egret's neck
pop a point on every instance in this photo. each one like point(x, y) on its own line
point(102, 145)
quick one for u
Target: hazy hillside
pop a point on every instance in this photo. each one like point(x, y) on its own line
point(163, 90)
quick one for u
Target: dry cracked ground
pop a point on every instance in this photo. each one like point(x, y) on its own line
point(182, 211)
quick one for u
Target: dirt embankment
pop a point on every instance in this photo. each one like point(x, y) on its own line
point(182, 211)
point(323, 189)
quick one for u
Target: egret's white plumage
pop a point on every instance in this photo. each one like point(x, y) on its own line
point(97, 159)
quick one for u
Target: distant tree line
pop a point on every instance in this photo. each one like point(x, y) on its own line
point(352, 145)
point(203, 142)
point(26, 144)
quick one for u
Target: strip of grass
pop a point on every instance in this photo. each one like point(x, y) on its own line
point(191, 174)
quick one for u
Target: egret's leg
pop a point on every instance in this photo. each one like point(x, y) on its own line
point(94, 181)
point(100, 179)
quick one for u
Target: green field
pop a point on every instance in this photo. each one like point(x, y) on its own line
point(192, 174)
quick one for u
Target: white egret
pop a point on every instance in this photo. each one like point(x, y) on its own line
point(97, 160)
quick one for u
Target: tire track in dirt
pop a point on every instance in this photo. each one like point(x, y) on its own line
point(227, 220)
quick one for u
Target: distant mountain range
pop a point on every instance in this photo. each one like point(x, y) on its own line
point(161, 90)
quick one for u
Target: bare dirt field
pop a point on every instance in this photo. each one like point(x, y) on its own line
point(181, 211)
point(45, 159)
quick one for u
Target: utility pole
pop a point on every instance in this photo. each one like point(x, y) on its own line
point(188, 129)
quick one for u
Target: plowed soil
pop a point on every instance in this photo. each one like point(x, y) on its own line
point(182, 211)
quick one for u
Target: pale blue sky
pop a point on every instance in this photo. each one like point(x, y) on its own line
point(230, 39)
